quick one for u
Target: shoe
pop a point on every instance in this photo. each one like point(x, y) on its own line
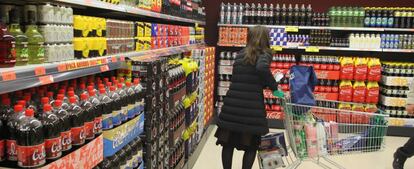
point(398, 162)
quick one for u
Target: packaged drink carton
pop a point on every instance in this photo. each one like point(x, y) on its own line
point(374, 70)
point(347, 68)
point(64, 118)
point(359, 118)
point(140, 29)
point(343, 116)
point(345, 91)
point(359, 92)
point(372, 92)
point(360, 69)
point(52, 128)
point(30, 141)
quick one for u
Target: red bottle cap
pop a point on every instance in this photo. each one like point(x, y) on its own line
point(101, 86)
point(18, 108)
point(60, 97)
point(84, 96)
point(122, 80)
point(27, 98)
point(109, 84)
point(29, 113)
point(6, 101)
point(112, 88)
point(128, 84)
point(90, 88)
point(136, 81)
point(22, 102)
point(91, 84)
point(44, 100)
point(82, 86)
point(91, 93)
point(58, 103)
point(72, 99)
point(106, 80)
point(102, 90)
point(119, 85)
point(61, 91)
point(47, 107)
point(71, 93)
point(50, 94)
point(113, 78)
point(71, 89)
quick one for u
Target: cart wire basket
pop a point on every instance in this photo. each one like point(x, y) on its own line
point(314, 133)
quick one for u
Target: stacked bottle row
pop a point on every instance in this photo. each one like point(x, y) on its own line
point(64, 116)
point(267, 14)
point(232, 36)
point(130, 156)
point(119, 36)
point(320, 38)
point(395, 88)
point(319, 62)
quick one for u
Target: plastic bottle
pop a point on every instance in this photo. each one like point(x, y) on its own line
point(77, 123)
point(132, 97)
point(36, 41)
point(22, 55)
point(322, 139)
point(65, 122)
point(12, 124)
point(88, 115)
point(30, 141)
point(52, 128)
point(116, 106)
point(106, 106)
point(139, 101)
point(124, 102)
point(97, 111)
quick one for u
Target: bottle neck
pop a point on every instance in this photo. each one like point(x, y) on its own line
point(32, 28)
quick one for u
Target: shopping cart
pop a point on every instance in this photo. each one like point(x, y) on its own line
point(315, 133)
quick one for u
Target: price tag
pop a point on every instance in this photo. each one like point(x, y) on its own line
point(88, 2)
point(61, 67)
point(39, 71)
point(277, 48)
point(113, 59)
point(312, 49)
point(122, 58)
point(104, 61)
point(44, 80)
point(9, 75)
point(292, 29)
point(104, 68)
point(93, 62)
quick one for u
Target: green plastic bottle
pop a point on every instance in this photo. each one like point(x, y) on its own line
point(332, 16)
point(22, 55)
point(36, 41)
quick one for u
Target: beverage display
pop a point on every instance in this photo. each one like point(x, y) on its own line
point(65, 121)
point(52, 128)
point(36, 41)
point(320, 37)
point(21, 39)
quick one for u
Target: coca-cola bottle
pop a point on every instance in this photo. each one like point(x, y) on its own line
point(124, 102)
point(97, 111)
point(12, 123)
point(30, 141)
point(52, 127)
point(77, 122)
point(139, 101)
point(88, 115)
point(65, 120)
point(115, 106)
point(106, 104)
point(131, 97)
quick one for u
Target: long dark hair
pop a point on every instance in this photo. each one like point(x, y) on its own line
point(258, 42)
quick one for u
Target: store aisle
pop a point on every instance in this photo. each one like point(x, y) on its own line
point(210, 157)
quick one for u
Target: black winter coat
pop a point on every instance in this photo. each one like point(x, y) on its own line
point(243, 109)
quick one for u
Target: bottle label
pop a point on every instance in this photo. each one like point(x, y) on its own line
point(41, 51)
point(107, 122)
point(31, 156)
point(372, 21)
point(53, 148)
point(390, 22)
point(384, 21)
point(124, 112)
point(131, 111)
point(11, 148)
point(379, 21)
point(98, 125)
point(66, 140)
point(78, 135)
point(89, 128)
point(2, 143)
point(116, 117)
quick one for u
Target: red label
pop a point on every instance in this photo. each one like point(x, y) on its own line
point(324, 66)
point(359, 94)
point(347, 72)
point(98, 125)
point(89, 130)
point(372, 95)
point(374, 73)
point(345, 94)
point(11, 148)
point(31, 156)
point(66, 140)
point(53, 148)
point(2, 143)
point(78, 135)
point(361, 72)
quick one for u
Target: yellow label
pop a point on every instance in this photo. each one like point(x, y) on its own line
point(277, 48)
point(312, 49)
point(292, 29)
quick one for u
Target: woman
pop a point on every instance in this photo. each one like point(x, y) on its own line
point(242, 120)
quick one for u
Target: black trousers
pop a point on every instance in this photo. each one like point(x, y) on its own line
point(407, 150)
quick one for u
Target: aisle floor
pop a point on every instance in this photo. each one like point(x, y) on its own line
point(210, 157)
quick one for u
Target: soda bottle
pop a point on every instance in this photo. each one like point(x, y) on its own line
point(116, 106)
point(295, 17)
point(106, 104)
point(302, 15)
point(88, 115)
point(5, 110)
point(409, 23)
point(259, 15)
point(52, 128)
point(64, 117)
point(228, 14)
point(240, 14)
point(96, 111)
point(270, 15)
point(139, 102)
point(12, 124)
point(131, 98)
point(277, 13)
point(124, 103)
point(234, 14)
point(309, 15)
point(283, 19)
point(222, 13)
point(30, 141)
point(264, 15)
point(77, 123)
point(290, 15)
point(36, 41)
point(21, 39)
point(246, 14)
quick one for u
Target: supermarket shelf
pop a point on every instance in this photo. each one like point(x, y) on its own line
point(23, 77)
point(193, 158)
point(329, 28)
point(128, 9)
point(399, 50)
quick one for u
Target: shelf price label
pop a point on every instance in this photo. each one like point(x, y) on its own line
point(44, 80)
point(113, 59)
point(277, 48)
point(9, 75)
point(312, 49)
point(61, 67)
point(292, 29)
point(39, 71)
point(104, 68)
